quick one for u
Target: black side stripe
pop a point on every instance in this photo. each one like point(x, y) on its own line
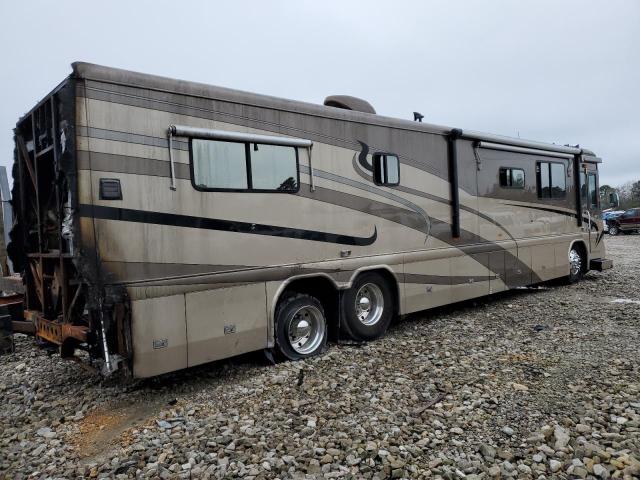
point(159, 218)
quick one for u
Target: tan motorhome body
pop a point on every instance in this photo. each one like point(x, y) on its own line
point(190, 276)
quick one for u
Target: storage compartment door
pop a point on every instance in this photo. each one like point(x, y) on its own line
point(225, 322)
point(159, 335)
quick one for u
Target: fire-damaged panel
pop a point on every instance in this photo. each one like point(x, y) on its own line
point(63, 296)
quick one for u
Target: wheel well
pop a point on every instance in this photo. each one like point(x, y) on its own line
point(321, 288)
point(582, 249)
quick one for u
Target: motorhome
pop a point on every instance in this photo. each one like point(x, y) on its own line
point(161, 224)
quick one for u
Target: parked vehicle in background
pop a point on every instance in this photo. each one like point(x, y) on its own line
point(628, 222)
point(609, 214)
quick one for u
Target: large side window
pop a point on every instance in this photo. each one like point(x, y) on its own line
point(243, 166)
point(511, 177)
point(552, 180)
point(386, 169)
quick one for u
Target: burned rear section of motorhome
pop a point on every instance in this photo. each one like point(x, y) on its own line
point(65, 305)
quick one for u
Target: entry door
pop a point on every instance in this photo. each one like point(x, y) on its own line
point(590, 199)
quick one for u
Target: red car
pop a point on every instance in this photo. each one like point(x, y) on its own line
point(628, 222)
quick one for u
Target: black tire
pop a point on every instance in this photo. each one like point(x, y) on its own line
point(294, 308)
point(577, 262)
point(369, 285)
point(614, 230)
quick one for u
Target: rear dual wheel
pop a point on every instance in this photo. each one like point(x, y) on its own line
point(368, 307)
point(301, 327)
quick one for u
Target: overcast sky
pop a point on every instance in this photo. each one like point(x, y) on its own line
point(557, 71)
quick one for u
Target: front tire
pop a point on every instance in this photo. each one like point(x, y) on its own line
point(576, 265)
point(301, 327)
point(614, 230)
point(368, 307)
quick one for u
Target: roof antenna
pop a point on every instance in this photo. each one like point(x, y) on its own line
point(417, 117)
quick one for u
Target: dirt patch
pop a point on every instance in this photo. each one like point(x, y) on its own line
point(109, 427)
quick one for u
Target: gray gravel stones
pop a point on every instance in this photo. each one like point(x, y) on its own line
point(530, 384)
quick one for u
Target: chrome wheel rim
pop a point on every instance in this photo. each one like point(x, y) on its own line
point(575, 262)
point(369, 304)
point(306, 330)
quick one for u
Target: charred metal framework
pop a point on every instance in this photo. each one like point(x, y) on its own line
point(63, 296)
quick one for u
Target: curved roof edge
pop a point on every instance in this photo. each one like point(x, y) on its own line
point(101, 73)
point(119, 76)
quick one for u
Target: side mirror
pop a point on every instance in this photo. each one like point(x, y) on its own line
point(614, 200)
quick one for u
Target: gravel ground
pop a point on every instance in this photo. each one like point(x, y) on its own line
point(540, 383)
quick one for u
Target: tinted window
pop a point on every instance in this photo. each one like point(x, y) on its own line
point(386, 169)
point(593, 191)
point(274, 167)
point(219, 164)
point(512, 178)
point(584, 193)
point(393, 169)
point(552, 180)
point(558, 180)
point(543, 181)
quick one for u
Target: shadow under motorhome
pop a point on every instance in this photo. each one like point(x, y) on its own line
point(161, 224)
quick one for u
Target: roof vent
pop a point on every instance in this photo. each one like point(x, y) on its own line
point(349, 103)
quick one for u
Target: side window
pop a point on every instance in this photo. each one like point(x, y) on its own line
point(386, 169)
point(274, 167)
point(222, 165)
point(219, 165)
point(584, 190)
point(552, 180)
point(511, 177)
point(593, 191)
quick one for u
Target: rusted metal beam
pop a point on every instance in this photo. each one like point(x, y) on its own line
point(38, 282)
point(54, 331)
